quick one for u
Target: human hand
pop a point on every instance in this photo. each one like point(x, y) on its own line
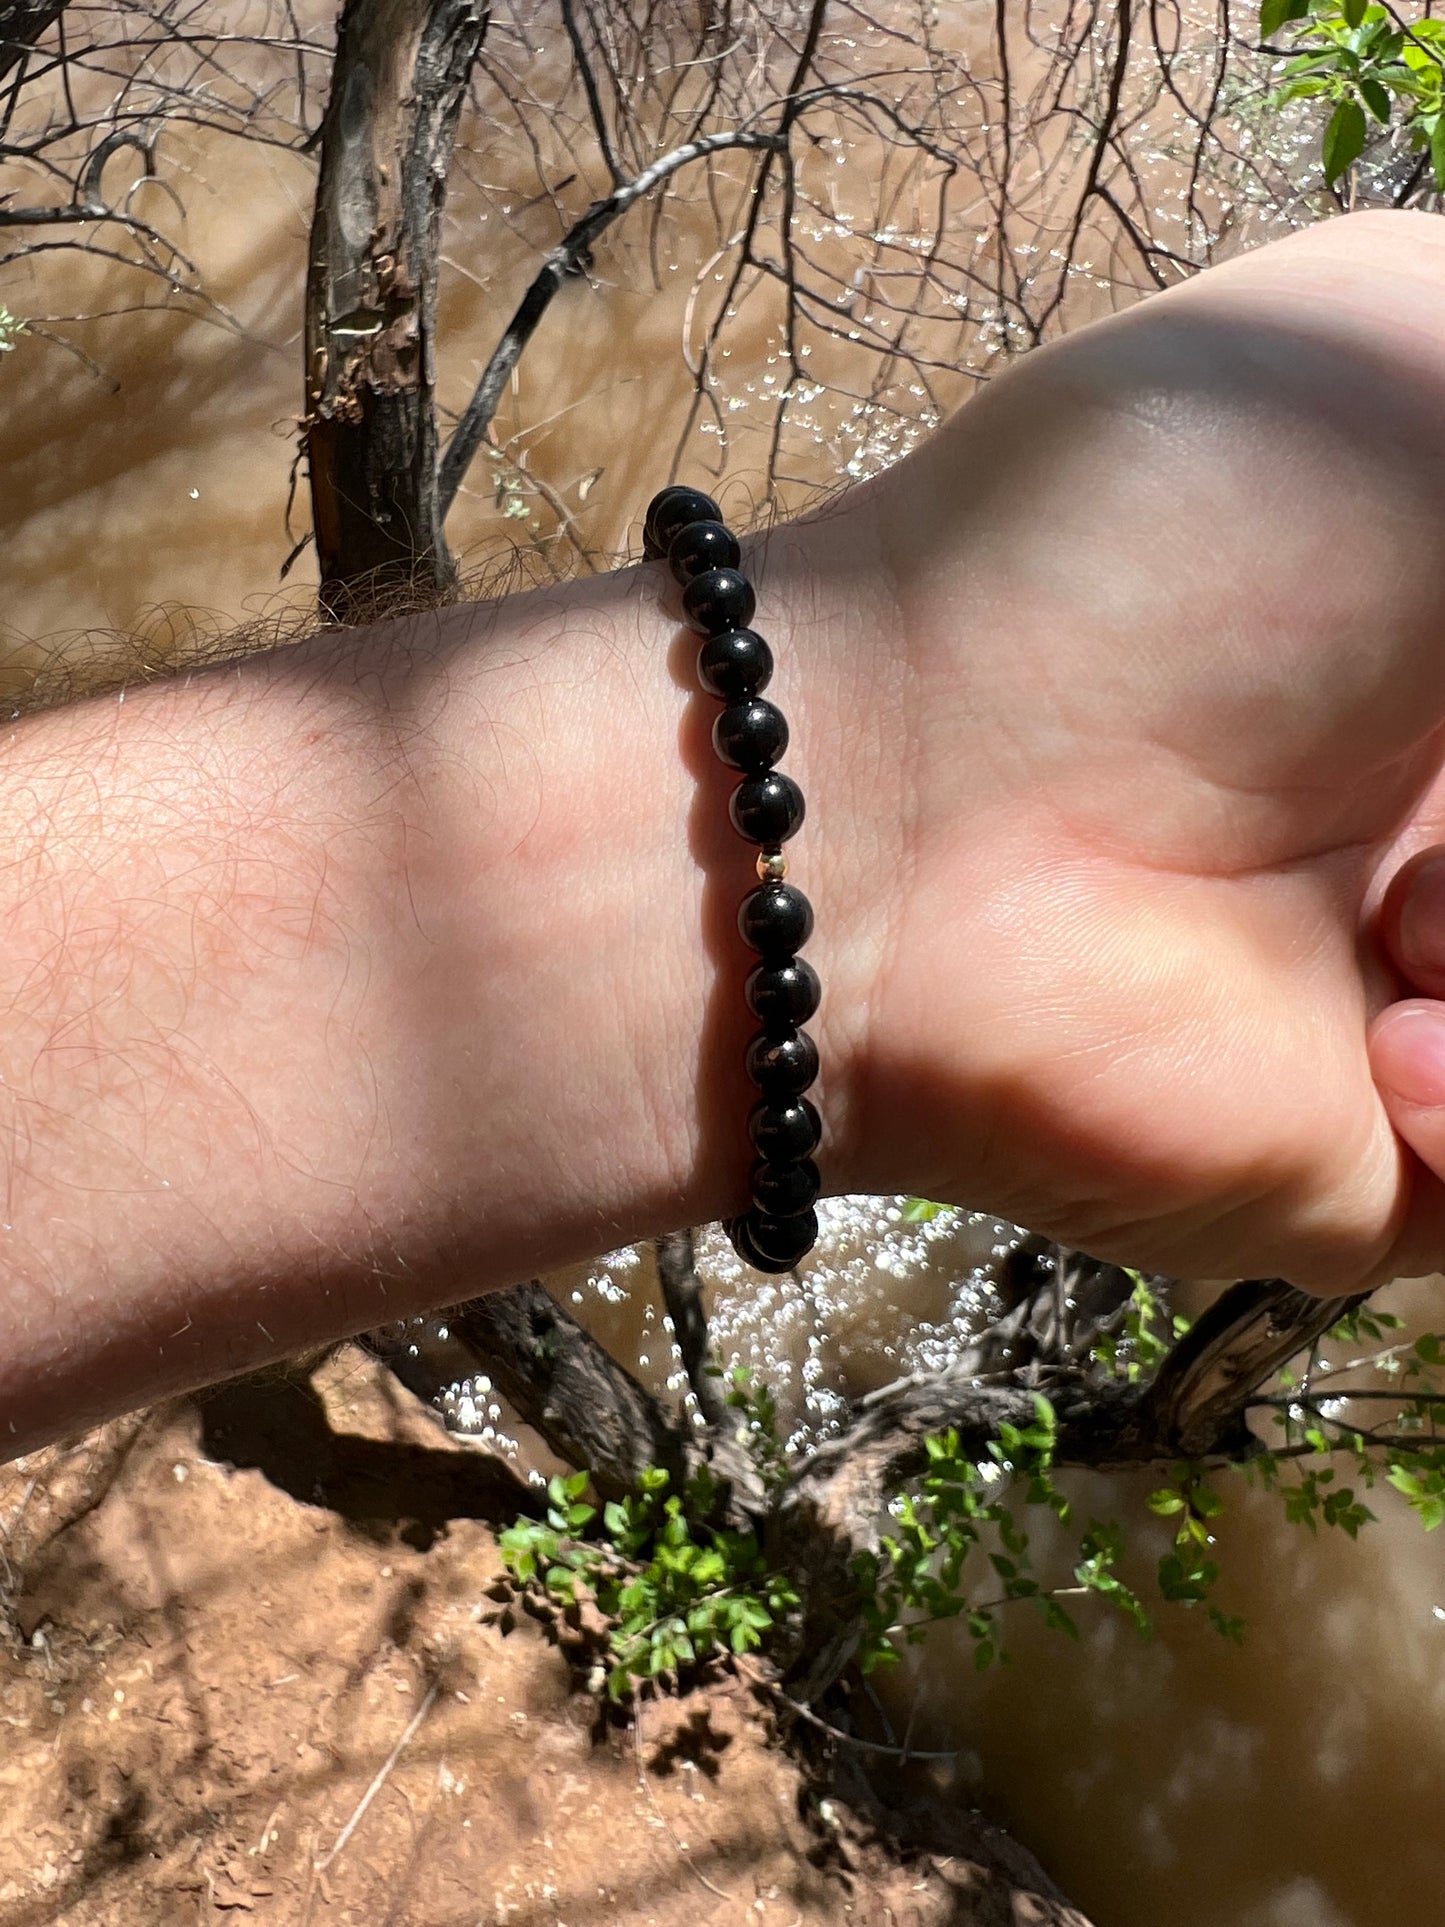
point(1171, 617)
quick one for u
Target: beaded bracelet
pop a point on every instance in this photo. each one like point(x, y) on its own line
point(776, 919)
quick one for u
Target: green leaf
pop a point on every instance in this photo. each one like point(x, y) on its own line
point(1344, 139)
point(1165, 1501)
point(1274, 14)
point(1353, 11)
point(1057, 1617)
point(1377, 99)
point(922, 1211)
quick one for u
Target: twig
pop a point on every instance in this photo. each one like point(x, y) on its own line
point(568, 257)
point(382, 1776)
point(810, 1718)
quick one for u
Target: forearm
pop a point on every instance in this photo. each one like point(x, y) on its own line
point(377, 972)
point(401, 966)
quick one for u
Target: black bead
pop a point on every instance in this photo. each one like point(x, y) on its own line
point(737, 1230)
point(781, 995)
point(786, 1190)
point(702, 545)
point(750, 735)
point(767, 809)
point(735, 664)
point(776, 920)
point(673, 509)
point(783, 1133)
point(773, 1244)
point(719, 599)
point(782, 1066)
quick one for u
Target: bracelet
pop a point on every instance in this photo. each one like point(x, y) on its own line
point(776, 919)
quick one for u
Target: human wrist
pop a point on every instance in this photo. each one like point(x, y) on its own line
point(408, 965)
point(618, 711)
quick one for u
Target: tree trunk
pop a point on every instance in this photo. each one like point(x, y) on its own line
point(371, 432)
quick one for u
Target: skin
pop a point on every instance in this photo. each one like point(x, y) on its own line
point(384, 970)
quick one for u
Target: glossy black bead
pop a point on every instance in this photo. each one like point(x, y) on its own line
point(750, 735)
point(782, 1067)
point(783, 1133)
point(702, 545)
point(781, 995)
point(776, 920)
point(719, 599)
point(786, 1190)
point(767, 809)
point(673, 509)
point(737, 1230)
point(736, 664)
point(773, 1244)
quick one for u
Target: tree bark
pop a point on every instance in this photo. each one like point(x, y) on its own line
point(682, 1295)
point(589, 1409)
point(1197, 1399)
point(371, 436)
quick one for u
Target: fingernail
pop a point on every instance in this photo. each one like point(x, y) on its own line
point(1422, 919)
point(1407, 1053)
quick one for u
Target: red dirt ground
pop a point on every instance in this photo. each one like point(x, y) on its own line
point(254, 1672)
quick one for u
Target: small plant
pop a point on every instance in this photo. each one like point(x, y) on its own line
point(752, 1397)
point(677, 1589)
point(922, 1210)
point(1148, 1333)
point(959, 1507)
point(1366, 64)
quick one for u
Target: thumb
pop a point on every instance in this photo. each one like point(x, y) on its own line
point(1407, 1060)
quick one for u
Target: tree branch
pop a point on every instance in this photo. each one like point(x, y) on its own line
point(557, 1378)
point(682, 1295)
point(22, 22)
point(1197, 1399)
point(567, 258)
point(589, 87)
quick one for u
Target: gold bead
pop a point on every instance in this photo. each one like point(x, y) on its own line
point(772, 866)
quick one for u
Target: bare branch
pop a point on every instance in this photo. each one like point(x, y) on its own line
point(400, 79)
point(594, 99)
point(567, 258)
